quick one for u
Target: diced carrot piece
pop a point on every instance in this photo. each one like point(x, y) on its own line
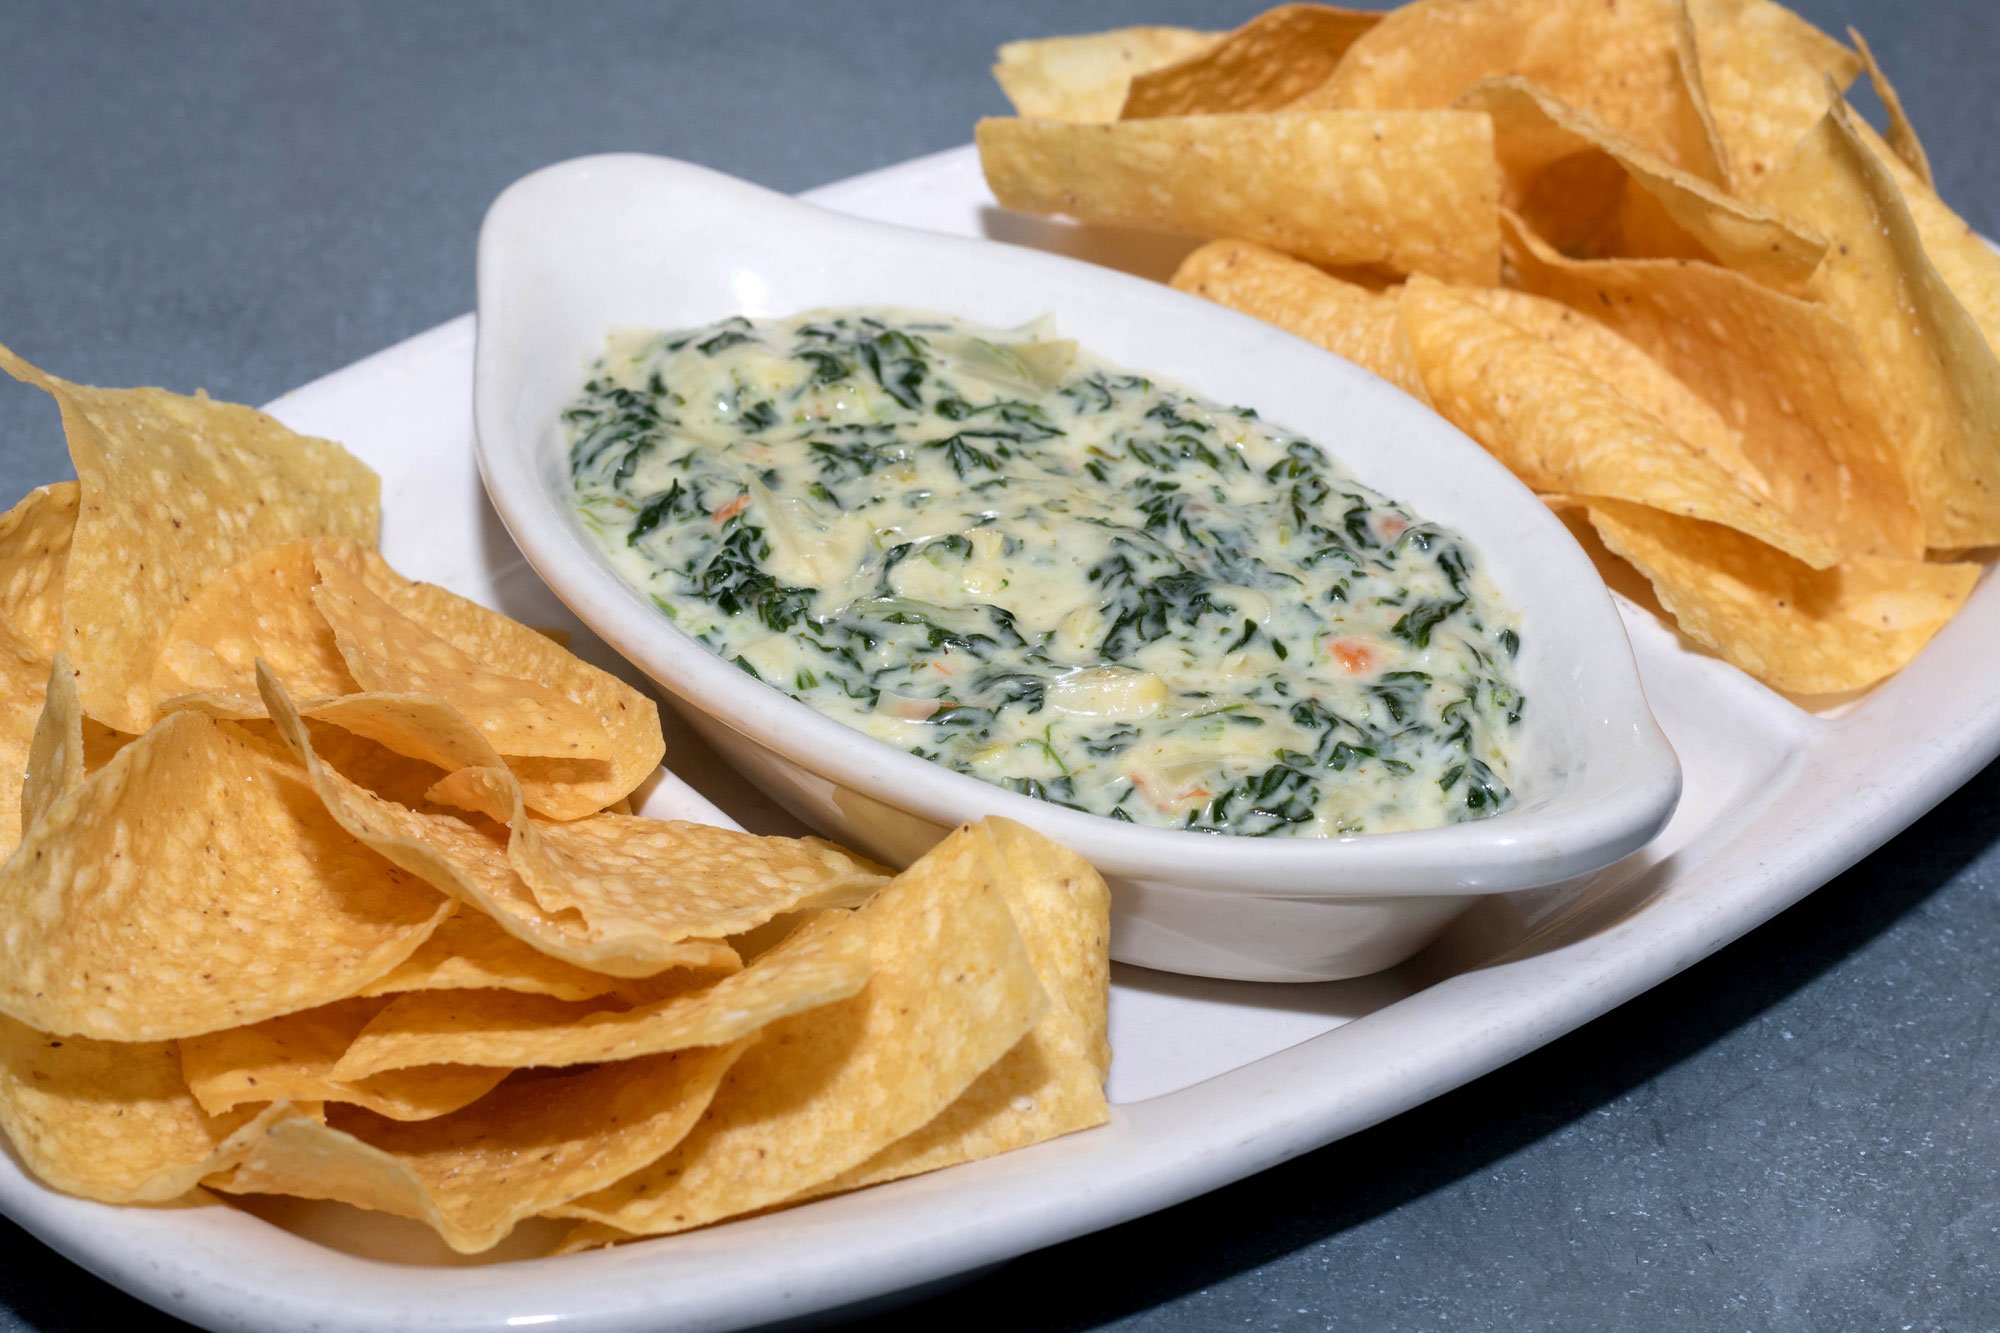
point(1352, 654)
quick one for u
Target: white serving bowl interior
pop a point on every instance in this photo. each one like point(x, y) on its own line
point(579, 249)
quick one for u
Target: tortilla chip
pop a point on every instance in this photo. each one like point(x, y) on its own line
point(1364, 327)
point(291, 1059)
point(1618, 62)
point(1796, 629)
point(208, 665)
point(1408, 190)
point(1085, 77)
point(1269, 62)
point(24, 679)
point(667, 879)
point(1630, 371)
point(823, 961)
point(389, 652)
point(55, 756)
point(1660, 211)
point(113, 1121)
point(1963, 259)
point(1787, 374)
point(954, 989)
point(675, 879)
point(421, 726)
point(473, 1175)
point(471, 952)
point(1909, 149)
point(34, 552)
point(1052, 1082)
point(174, 489)
point(259, 607)
point(1932, 363)
point(192, 884)
point(1764, 70)
point(397, 745)
point(1062, 907)
point(381, 770)
point(685, 879)
point(558, 787)
point(1559, 427)
point(462, 861)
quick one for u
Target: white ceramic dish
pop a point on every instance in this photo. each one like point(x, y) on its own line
point(577, 250)
point(1213, 1081)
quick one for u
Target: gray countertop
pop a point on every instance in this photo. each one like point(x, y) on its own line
point(1800, 1132)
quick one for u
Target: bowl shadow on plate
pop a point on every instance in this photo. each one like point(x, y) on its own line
point(1347, 1000)
point(1507, 927)
point(1144, 254)
point(1254, 1223)
point(394, 1240)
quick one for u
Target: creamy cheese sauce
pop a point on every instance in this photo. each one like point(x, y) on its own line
point(1002, 554)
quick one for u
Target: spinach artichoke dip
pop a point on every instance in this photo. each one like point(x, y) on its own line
point(1013, 559)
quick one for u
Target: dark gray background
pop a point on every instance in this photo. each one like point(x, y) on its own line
point(1800, 1132)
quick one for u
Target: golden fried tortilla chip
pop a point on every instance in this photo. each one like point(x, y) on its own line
point(1618, 62)
point(174, 490)
point(535, 1143)
point(1062, 907)
point(1801, 630)
point(1909, 149)
point(1413, 191)
point(421, 726)
point(1660, 211)
point(113, 1121)
point(260, 607)
point(1630, 371)
point(1932, 364)
point(823, 961)
point(464, 862)
point(1787, 374)
point(398, 777)
point(1559, 427)
point(560, 788)
point(1764, 70)
point(1350, 321)
point(667, 879)
point(672, 878)
point(34, 553)
point(397, 745)
point(1964, 260)
point(265, 608)
point(196, 883)
point(954, 989)
point(471, 952)
point(291, 1058)
point(1269, 62)
point(684, 879)
point(1052, 1081)
point(24, 679)
point(1085, 77)
point(389, 652)
point(55, 756)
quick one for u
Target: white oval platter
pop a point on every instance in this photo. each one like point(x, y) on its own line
point(1212, 1081)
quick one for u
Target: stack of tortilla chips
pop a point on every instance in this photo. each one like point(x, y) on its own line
point(322, 882)
point(1643, 252)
